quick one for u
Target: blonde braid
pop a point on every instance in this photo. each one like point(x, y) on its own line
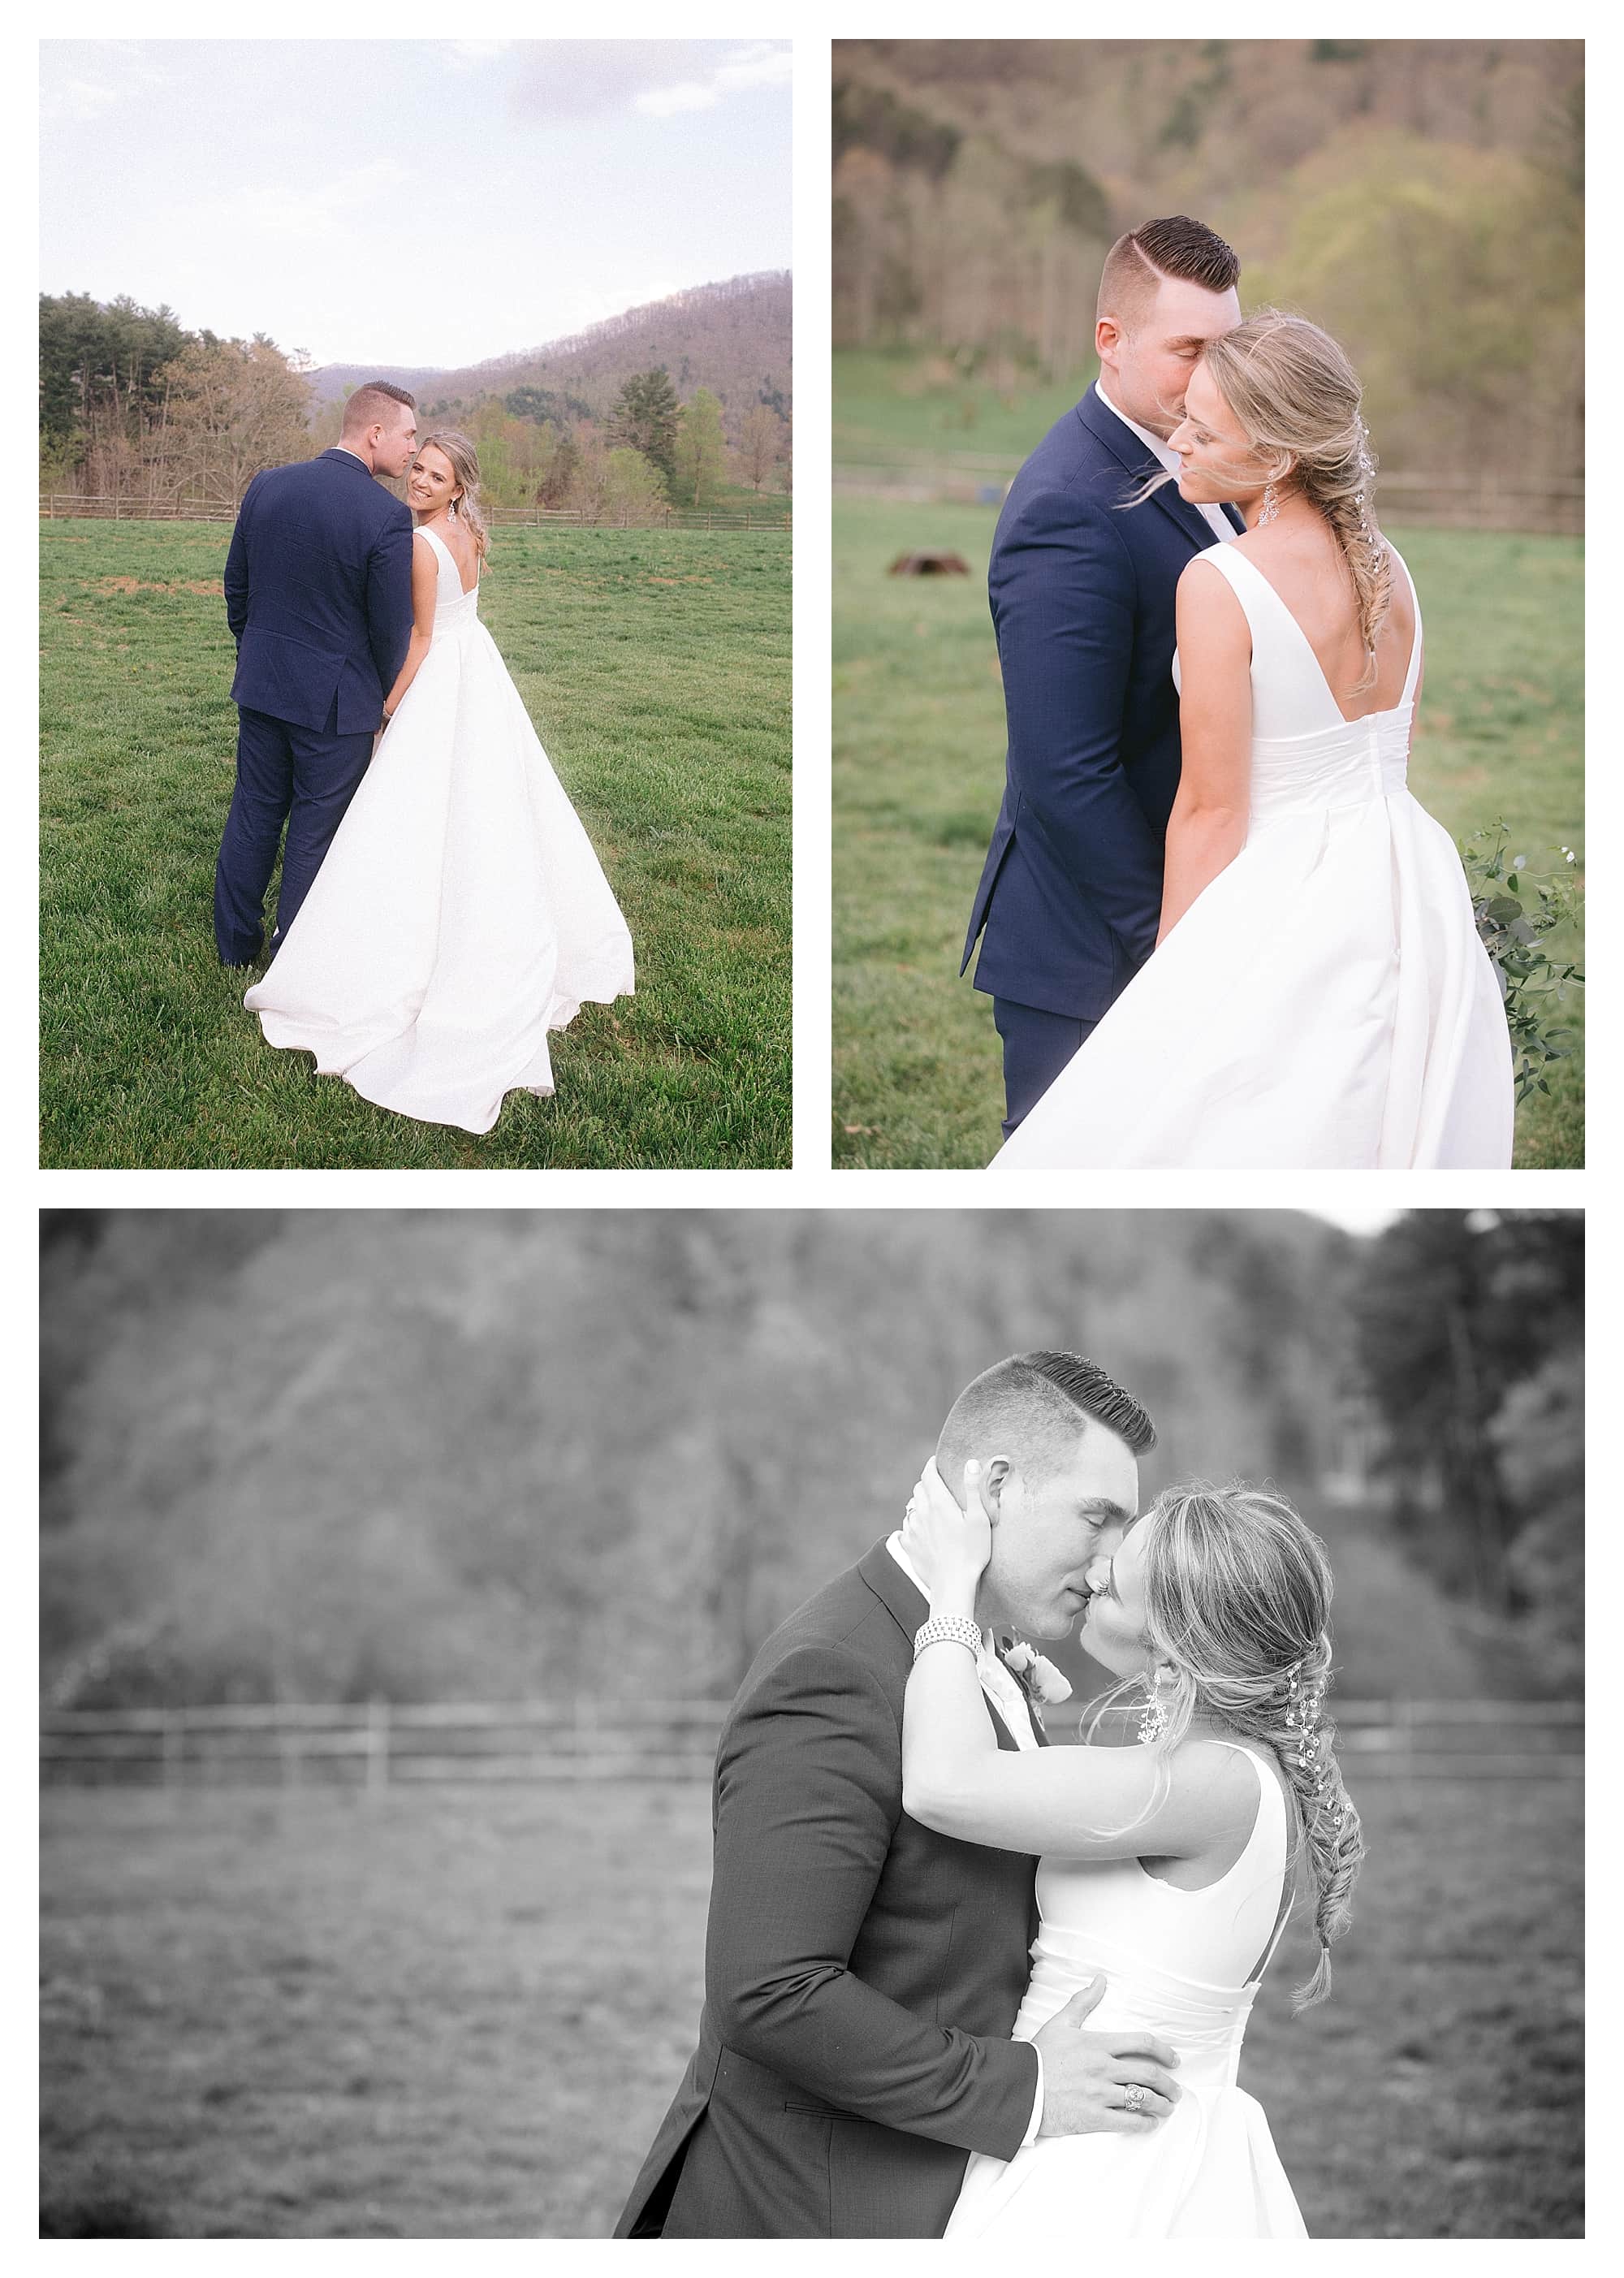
point(1297, 399)
point(1237, 1595)
point(1344, 493)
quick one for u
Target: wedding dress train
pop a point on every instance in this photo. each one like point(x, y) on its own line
point(461, 913)
point(1326, 1002)
point(1181, 1964)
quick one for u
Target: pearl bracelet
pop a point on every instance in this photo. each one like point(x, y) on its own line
point(947, 1629)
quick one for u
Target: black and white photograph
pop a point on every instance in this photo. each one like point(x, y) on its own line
point(1029, 1725)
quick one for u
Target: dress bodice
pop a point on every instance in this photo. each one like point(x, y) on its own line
point(1305, 755)
point(452, 606)
point(1184, 1964)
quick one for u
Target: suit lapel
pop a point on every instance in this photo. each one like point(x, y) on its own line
point(908, 1608)
point(1126, 448)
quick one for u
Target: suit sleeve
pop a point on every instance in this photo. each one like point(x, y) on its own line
point(809, 1793)
point(236, 580)
point(1063, 593)
point(389, 597)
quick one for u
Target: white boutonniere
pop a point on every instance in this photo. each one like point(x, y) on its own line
point(1039, 1679)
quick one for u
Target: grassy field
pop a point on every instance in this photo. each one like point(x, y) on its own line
point(656, 667)
point(918, 773)
point(458, 2014)
point(884, 401)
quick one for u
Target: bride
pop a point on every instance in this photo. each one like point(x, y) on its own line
point(1167, 1868)
point(461, 913)
point(1318, 995)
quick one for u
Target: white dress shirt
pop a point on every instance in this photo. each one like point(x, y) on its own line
point(1158, 448)
point(1008, 1699)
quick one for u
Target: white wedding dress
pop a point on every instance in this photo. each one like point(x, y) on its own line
point(1186, 1966)
point(461, 913)
point(1325, 1002)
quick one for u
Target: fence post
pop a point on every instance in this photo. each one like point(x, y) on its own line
point(377, 1745)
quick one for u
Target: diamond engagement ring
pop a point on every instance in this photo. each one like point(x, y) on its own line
point(1135, 2097)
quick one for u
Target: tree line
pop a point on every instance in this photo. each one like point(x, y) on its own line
point(1424, 200)
point(485, 1454)
point(132, 406)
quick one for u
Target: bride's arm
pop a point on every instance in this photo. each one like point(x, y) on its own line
point(1208, 826)
point(1078, 1803)
point(425, 589)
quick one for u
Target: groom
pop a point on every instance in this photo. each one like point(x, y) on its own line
point(1082, 601)
point(318, 596)
point(862, 1974)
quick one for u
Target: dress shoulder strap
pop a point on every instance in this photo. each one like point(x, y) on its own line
point(1412, 675)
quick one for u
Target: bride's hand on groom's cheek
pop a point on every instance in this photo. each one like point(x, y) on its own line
point(942, 1541)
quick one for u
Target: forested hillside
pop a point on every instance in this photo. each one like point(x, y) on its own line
point(467, 1454)
point(132, 406)
point(732, 338)
point(1422, 198)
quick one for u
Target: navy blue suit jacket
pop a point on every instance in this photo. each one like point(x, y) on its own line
point(1082, 601)
point(862, 1974)
point(318, 593)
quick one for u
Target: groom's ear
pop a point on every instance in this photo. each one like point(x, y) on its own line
point(996, 1474)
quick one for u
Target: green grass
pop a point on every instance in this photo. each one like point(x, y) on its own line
point(458, 2014)
point(886, 400)
point(918, 773)
point(656, 667)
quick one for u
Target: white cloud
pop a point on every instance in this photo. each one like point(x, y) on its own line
point(573, 79)
point(81, 81)
point(768, 64)
point(468, 54)
point(687, 95)
point(79, 99)
point(310, 210)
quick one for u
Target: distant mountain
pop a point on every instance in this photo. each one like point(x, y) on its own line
point(330, 382)
point(732, 337)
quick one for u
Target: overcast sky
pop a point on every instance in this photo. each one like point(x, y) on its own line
point(414, 202)
point(1358, 1218)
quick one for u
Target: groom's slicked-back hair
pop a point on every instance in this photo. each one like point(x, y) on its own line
point(369, 405)
point(1033, 1407)
point(1176, 247)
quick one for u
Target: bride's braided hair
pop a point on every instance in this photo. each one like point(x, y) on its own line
point(465, 465)
point(1237, 1601)
point(1299, 403)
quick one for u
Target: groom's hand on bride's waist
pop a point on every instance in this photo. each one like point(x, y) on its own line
point(1093, 2082)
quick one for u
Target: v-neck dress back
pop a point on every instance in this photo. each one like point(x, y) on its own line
point(1325, 1002)
point(1186, 1966)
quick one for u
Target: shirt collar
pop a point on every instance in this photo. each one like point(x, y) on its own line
point(894, 1544)
point(1156, 445)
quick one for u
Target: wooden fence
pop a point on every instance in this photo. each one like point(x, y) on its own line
point(1439, 501)
point(62, 506)
point(378, 1745)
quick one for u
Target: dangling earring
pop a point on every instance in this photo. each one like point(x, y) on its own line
point(452, 510)
point(1271, 505)
point(1153, 1722)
